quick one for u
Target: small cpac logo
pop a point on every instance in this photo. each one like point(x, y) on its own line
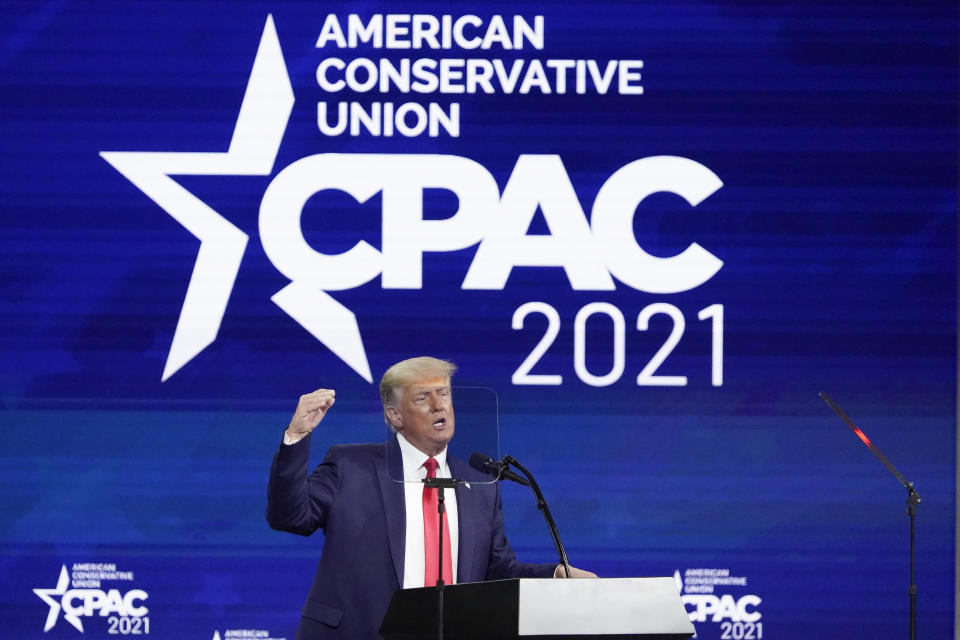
point(77, 603)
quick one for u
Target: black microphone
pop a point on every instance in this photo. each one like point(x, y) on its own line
point(486, 464)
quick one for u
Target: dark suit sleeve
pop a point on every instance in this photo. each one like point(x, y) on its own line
point(297, 502)
point(503, 562)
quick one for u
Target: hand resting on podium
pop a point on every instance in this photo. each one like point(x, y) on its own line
point(574, 573)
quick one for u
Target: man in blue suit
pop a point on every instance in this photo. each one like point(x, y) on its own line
point(374, 540)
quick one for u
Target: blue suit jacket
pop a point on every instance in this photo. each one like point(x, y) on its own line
point(361, 510)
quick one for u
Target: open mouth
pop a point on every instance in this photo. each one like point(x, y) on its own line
point(440, 424)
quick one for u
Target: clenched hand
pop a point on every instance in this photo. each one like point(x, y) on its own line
point(310, 411)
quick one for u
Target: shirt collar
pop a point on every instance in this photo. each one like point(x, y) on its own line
point(413, 460)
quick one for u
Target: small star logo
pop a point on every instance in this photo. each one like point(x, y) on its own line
point(61, 588)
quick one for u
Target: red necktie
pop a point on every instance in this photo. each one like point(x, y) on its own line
point(430, 543)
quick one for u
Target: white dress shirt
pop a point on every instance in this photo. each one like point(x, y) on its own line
point(413, 472)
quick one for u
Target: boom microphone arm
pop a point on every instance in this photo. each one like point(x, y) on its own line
point(542, 505)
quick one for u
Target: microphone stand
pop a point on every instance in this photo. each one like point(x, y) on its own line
point(439, 484)
point(542, 505)
point(913, 499)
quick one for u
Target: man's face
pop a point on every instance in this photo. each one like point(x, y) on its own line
point(423, 414)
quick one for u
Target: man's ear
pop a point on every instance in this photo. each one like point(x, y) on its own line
point(396, 421)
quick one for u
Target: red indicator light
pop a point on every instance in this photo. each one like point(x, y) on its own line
point(863, 436)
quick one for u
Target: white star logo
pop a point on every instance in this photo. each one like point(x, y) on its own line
point(61, 588)
point(261, 123)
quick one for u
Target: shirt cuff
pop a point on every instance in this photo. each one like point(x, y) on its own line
point(288, 440)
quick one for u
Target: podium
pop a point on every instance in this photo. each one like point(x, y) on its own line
point(608, 608)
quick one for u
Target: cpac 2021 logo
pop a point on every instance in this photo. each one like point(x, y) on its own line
point(593, 255)
point(737, 615)
point(125, 611)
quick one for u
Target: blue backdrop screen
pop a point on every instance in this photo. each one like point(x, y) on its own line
point(657, 230)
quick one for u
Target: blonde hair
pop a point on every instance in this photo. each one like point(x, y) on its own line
point(411, 371)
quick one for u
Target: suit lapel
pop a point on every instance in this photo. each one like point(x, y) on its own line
point(466, 523)
point(394, 505)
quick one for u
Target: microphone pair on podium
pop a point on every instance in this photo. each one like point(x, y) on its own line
point(499, 469)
